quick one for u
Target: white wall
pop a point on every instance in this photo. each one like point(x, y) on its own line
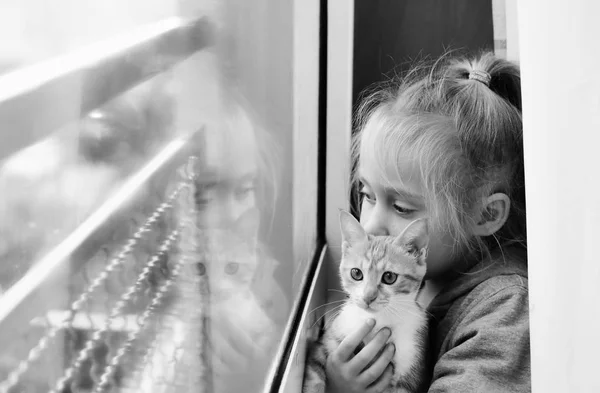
point(512, 31)
point(506, 32)
point(561, 109)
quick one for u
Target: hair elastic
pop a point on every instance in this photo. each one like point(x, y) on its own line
point(480, 76)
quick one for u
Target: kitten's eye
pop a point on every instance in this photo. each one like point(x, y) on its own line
point(356, 274)
point(200, 268)
point(389, 278)
point(232, 267)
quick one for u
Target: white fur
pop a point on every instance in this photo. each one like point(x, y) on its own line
point(244, 309)
point(404, 329)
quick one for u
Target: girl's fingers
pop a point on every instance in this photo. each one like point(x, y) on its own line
point(382, 383)
point(371, 374)
point(229, 344)
point(349, 344)
point(370, 351)
point(238, 338)
point(224, 353)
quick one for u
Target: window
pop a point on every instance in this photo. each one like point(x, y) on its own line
point(160, 190)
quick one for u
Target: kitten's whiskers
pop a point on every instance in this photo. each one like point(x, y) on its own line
point(398, 311)
point(326, 304)
point(411, 302)
point(327, 312)
point(337, 290)
point(332, 318)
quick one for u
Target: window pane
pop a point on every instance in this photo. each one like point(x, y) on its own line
point(156, 241)
point(39, 30)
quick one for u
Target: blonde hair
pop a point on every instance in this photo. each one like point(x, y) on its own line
point(237, 114)
point(464, 136)
point(268, 157)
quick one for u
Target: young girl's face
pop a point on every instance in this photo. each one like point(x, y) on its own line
point(227, 187)
point(392, 202)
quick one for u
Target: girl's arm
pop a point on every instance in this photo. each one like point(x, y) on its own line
point(487, 348)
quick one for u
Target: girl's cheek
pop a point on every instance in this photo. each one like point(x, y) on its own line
point(210, 216)
point(249, 202)
point(221, 211)
point(239, 206)
point(365, 212)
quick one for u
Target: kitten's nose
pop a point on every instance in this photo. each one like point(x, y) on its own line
point(369, 298)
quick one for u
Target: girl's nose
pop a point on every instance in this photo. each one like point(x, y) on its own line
point(230, 211)
point(223, 212)
point(376, 222)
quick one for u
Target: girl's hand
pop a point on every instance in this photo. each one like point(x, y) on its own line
point(233, 347)
point(239, 363)
point(238, 343)
point(348, 373)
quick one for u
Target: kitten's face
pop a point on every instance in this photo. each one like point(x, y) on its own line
point(232, 258)
point(380, 273)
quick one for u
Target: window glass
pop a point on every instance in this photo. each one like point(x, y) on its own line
point(148, 243)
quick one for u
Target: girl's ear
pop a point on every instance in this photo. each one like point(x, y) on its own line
point(493, 214)
point(352, 231)
point(415, 237)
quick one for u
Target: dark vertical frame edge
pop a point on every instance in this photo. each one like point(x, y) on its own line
point(281, 364)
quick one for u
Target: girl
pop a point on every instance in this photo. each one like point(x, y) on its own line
point(238, 176)
point(447, 145)
point(230, 213)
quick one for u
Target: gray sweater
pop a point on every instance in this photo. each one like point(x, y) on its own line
point(480, 329)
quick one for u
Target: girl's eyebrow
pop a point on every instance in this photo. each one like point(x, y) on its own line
point(403, 194)
point(251, 176)
point(210, 178)
point(395, 190)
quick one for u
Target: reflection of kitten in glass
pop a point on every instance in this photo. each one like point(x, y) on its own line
point(243, 334)
point(382, 277)
point(233, 260)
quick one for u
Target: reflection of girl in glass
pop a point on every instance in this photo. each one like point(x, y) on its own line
point(234, 198)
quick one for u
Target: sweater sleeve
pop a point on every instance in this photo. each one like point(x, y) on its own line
point(489, 348)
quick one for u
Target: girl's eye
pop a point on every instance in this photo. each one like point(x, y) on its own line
point(389, 278)
point(244, 192)
point(366, 196)
point(402, 210)
point(204, 197)
point(232, 267)
point(201, 199)
point(356, 274)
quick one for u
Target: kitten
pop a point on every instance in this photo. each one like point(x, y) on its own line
point(382, 277)
point(228, 260)
point(233, 261)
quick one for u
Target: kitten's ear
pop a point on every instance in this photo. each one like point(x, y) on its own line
point(352, 231)
point(415, 237)
point(247, 225)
